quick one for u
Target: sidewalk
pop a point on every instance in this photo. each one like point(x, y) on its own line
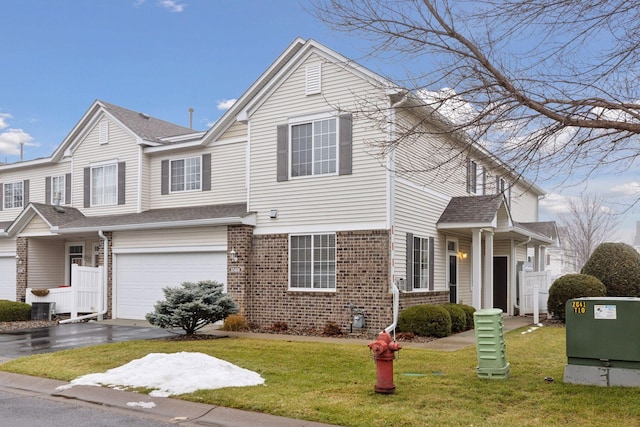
point(186, 413)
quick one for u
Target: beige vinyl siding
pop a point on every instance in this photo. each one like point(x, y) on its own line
point(236, 131)
point(174, 237)
point(46, 263)
point(36, 176)
point(228, 180)
point(7, 245)
point(430, 159)
point(464, 271)
point(36, 226)
point(122, 147)
point(320, 201)
point(524, 204)
point(417, 212)
point(145, 197)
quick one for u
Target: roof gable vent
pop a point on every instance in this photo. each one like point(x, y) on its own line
point(313, 78)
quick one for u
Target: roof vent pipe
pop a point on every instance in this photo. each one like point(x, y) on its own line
point(190, 117)
point(21, 151)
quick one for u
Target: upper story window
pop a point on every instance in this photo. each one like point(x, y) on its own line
point(104, 185)
point(312, 263)
point(503, 188)
point(13, 195)
point(185, 174)
point(313, 148)
point(58, 187)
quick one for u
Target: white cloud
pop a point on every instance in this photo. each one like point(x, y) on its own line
point(554, 204)
point(138, 3)
point(11, 139)
point(172, 5)
point(225, 104)
point(627, 189)
point(3, 120)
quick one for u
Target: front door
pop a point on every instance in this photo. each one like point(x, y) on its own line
point(453, 279)
point(500, 280)
point(76, 255)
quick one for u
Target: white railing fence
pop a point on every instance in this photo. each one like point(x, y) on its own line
point(534, 292)
point(83, 296)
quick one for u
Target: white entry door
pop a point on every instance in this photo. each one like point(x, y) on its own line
point(140, 277)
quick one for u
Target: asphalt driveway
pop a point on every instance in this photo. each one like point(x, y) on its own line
point(62, 337)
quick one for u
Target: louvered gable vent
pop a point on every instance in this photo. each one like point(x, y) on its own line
point(314, 78)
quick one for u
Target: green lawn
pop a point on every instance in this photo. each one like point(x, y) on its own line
point(334, 383)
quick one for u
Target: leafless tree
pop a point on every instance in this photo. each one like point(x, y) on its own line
point(586, 224)
point(550, 87)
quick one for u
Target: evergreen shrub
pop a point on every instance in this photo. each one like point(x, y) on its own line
point(425, 320)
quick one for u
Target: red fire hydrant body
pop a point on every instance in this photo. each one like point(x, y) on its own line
point(383, 353)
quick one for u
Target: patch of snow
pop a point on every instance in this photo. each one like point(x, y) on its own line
point(172, 374)
point(146, 405)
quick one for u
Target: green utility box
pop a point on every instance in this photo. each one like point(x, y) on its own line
point(603, 343)
point(492, 354)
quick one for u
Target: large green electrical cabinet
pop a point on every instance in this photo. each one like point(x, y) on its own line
point(603, 341)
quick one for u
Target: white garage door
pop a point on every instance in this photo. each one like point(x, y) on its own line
point(141, 277)
point(8, 278)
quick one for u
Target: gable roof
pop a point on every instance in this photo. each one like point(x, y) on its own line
point(52, 215)
point(472, 210)
point(146, 127)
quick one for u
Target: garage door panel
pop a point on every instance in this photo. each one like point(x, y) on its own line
point(140, 278)
point(8, 278)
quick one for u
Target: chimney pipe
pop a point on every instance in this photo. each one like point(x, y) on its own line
point(190, 117)
point(21, 151)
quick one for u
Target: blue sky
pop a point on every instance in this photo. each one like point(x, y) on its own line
point(162, 57)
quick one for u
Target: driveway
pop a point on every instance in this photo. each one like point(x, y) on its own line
point(63, 337)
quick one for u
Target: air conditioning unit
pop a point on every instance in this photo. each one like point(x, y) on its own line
point(403, 285)
point(42, 310)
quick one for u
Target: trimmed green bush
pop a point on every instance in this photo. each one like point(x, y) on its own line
point(572, 286)
point(458, 317)
point(468, 310)
point(425, 320)
point(617, 266)
point(11, 311)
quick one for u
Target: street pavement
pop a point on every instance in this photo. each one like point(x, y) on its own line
point(134, 409)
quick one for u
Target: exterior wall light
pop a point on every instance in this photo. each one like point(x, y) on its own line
point(233, 255)
point(462, 255)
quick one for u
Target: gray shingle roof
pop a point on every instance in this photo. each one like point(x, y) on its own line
point(161, 216)
point(57, 216)
point(471, 209)
point(145, 126)
point(547, 228)
point(4, 225)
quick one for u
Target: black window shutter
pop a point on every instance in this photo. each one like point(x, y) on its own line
point(431, 263)
point(164, 177)
point(87, 187)
point(25, 193)
point(468, 175)
point(484, 181)
point(283, 153)
point(206, 172)
point(47, 190)
point(67, 189)
point(409, 260)
point(346, 144)
point(1, 196)
point(121, 183)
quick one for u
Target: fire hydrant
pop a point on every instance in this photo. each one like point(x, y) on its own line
point(383, 354)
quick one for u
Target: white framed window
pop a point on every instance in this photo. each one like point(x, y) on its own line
point(312, 262)
point(421, 264)
point(58, 189)
point(104, 185)
point(185, 174)
point(13, 195)
point(314, 148)
point(472, 177)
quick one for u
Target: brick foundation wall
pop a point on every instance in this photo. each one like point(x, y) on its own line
point(408, 299)
point(108, 235)
point(362, 279)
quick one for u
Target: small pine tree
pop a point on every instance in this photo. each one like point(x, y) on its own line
point(192, 306)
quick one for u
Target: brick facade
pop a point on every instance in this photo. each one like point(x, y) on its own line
point(108, 235)
point(238, 271)
point(22, 270)
point(362, 279)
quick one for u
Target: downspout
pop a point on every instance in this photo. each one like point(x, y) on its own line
point(105, 272)
point(396, 308)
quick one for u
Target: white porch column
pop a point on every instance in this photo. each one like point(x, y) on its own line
point(488, 270)
point(476, 268)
